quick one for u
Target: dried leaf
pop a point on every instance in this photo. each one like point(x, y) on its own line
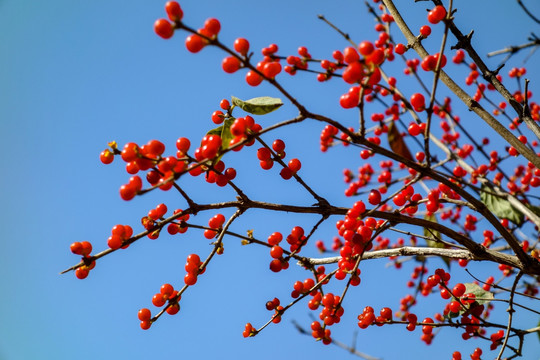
point(396, 142)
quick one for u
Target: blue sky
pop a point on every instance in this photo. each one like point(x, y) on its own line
point(75, 75)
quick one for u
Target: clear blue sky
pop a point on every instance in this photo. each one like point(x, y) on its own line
point(77, 74)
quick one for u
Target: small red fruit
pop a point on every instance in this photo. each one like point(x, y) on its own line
point(374, 197)
point(174, 11)
point(437, 14)
point(230, 64)
point(195, 43)
point(164, 28)
point(241, 45)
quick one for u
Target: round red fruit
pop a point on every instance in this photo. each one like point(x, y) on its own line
point(164, 28)
point(437, 14)
point(195, 43)
point(230, 64)
point(374, 197)
point(174, 11)
point(241, 45)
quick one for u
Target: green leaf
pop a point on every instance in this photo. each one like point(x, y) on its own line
point(224, 131)
point(259, 105)
point(501, 207)
point(482, 295)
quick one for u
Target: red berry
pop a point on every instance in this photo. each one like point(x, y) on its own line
point(253, 79)
point(230, 64)
point(183, 144)
point(114, 242)
point(374, 197)
point(295, 165)
point(437, 14)
point(425, 31)
point(400, 49)
point(418, 102)
point(144, 314)
point(278, 146)
point(195, 43)
point(86, 248)
point(127, 192)
point(366, 48)
point(164, 28)
point(212, 26)
point(241, 45)
point(459, 290)
point(276, 252)
point(414, 129)
point(286, 173)
point(270, 70)
point(76, 248)
point(82, 272)
point(224, 104)
point(174, 11)
point(190, 279)
point(106, 156)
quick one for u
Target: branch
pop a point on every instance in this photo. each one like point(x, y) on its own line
point(414, 43)
point(413, 251)
point(527, 11)
point(352, 350)
point(514, 49)
point(510, 314)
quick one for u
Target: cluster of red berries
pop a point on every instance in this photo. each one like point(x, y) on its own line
point(241, 128)
point(178, 228)
point(167, 293)
point(332, 310)
point(249, 330)
point(295, 239)
point(274, 305)
point(278, 263)
point(327, 136)
point(357, 69)
point(119, 234)
point(163, 27)
point(83, 248)
point(304, 287)
point(266, 157)
point(437, 14)
point(193, 269)
point(215, 223)
point(142, 158)
point(149, 222)
point(429, 63)
point(194, 42)
point(302, 62)
point(367, 317)
point(219, 175)
point(321, 333)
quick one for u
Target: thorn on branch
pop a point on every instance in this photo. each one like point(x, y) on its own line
point(464, 42)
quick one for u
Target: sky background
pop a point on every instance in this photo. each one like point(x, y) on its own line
point(75, 75)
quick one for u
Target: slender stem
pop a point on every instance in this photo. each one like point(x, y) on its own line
point(510, 313)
